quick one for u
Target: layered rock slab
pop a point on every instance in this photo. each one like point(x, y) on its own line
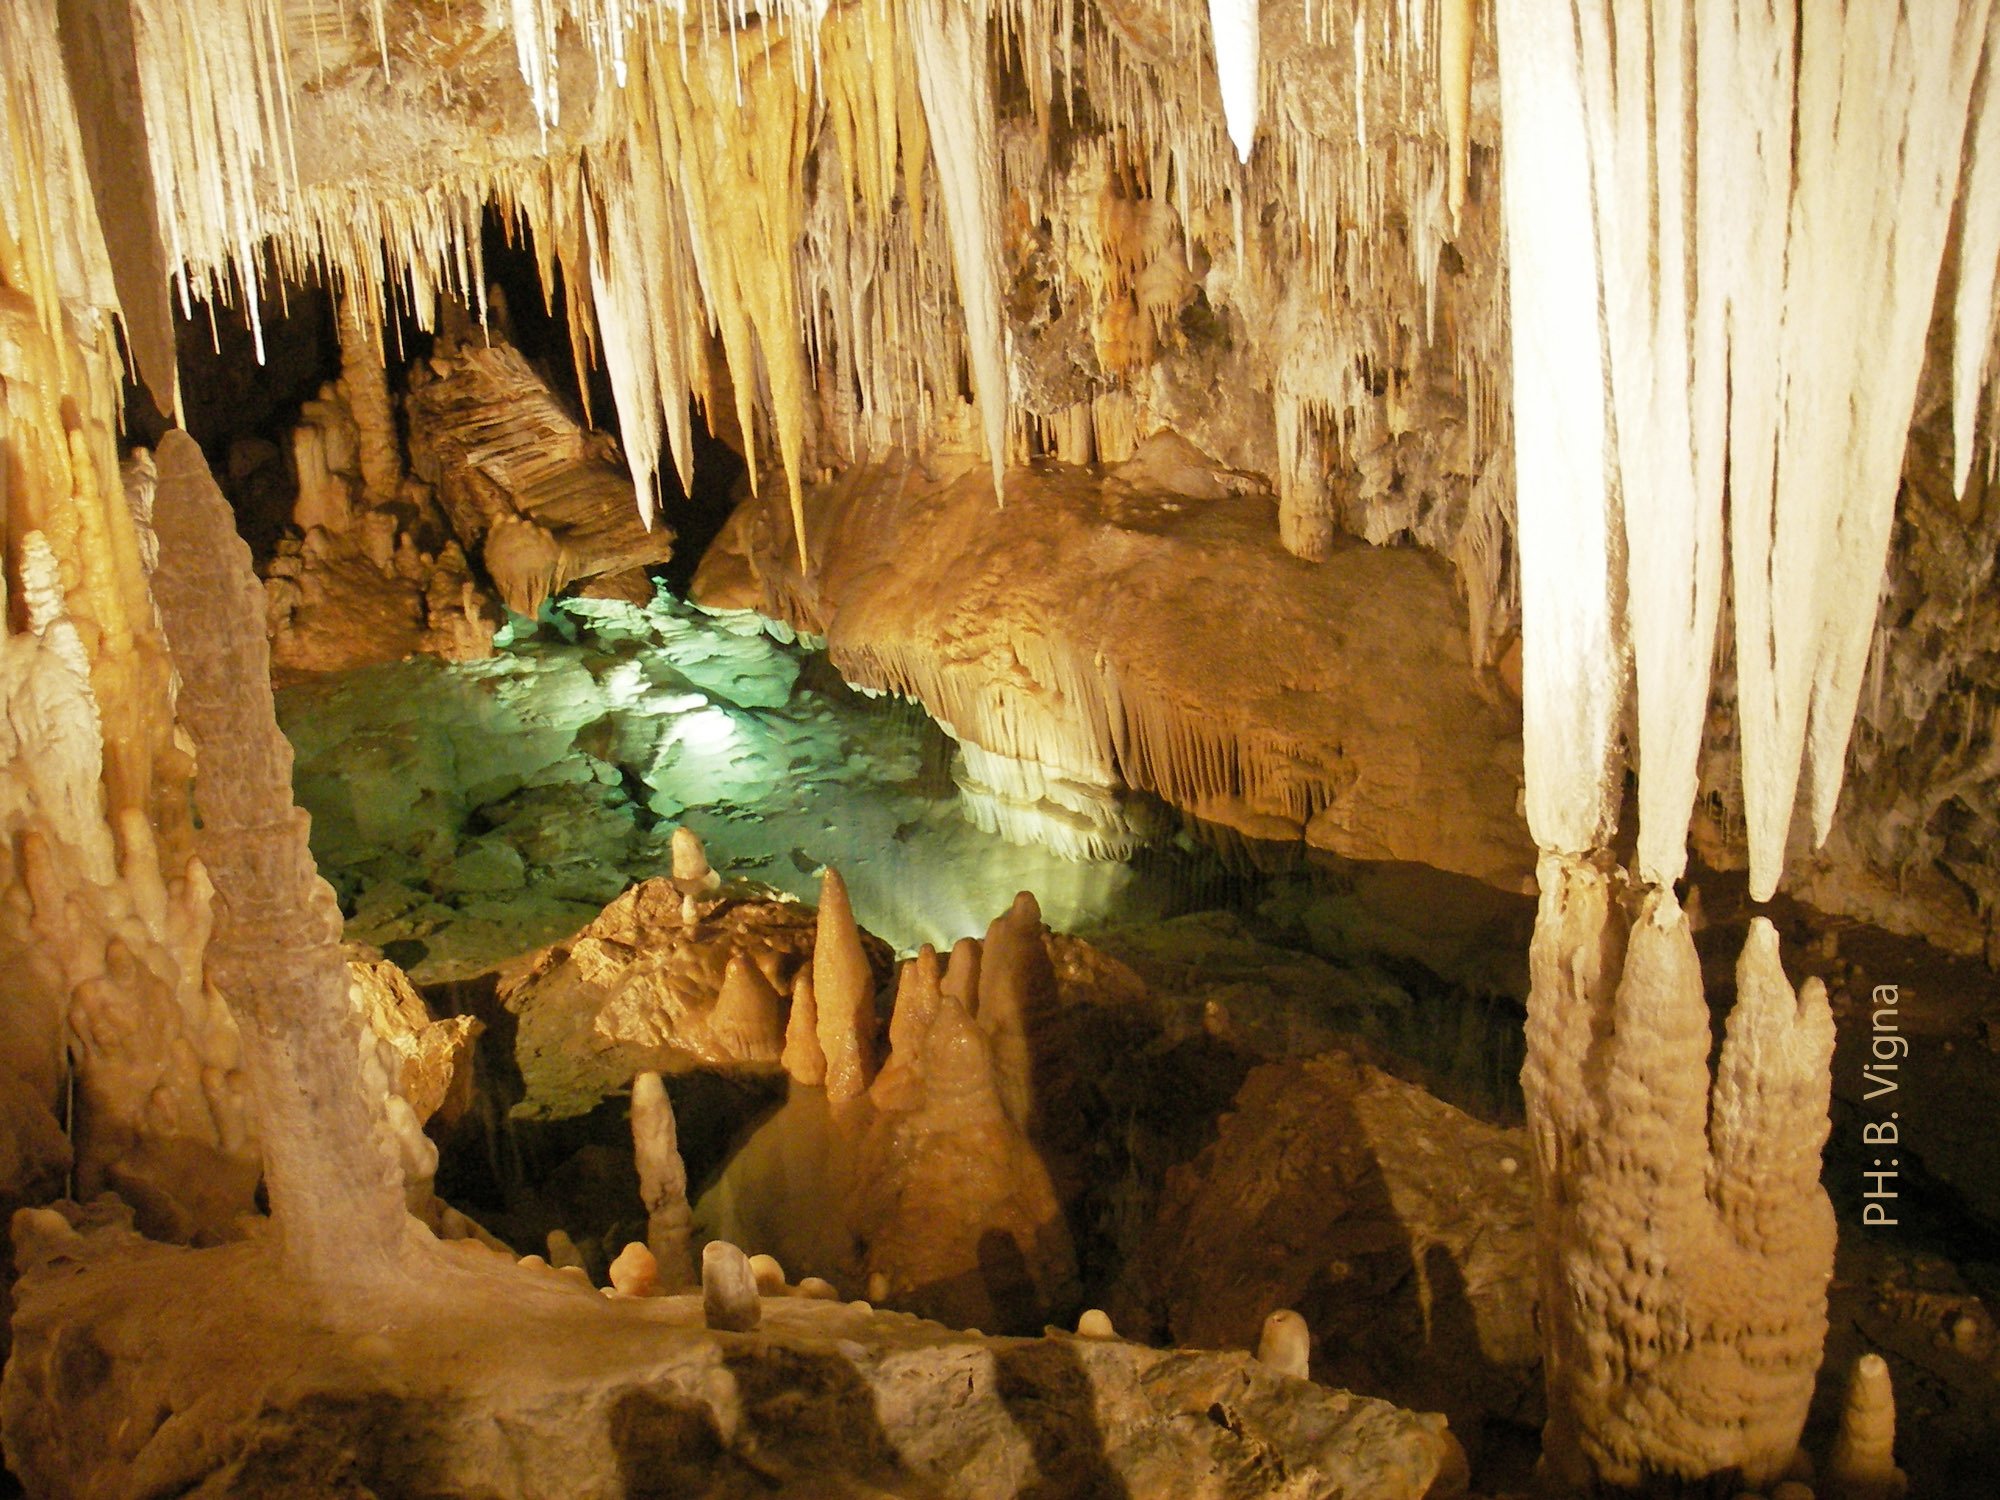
point(1106, 634)
point(638, 989)
point(140, 1368)
point(1399, 1226)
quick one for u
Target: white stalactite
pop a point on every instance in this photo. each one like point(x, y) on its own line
point(1572, 677)
point(952, 76)
point(1978, 268)
point(1882, 98)
point(1234, 25)
point(1672, 506)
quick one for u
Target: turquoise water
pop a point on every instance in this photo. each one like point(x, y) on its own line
point(467, 813)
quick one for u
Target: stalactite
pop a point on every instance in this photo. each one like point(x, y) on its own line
point(950, 42)
point(1233, 26)
point(1881, 113)
point(1973, 325)
point(1455, 88)
point(1572, 677)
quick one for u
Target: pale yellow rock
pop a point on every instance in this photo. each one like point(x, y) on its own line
point(690, 864)
point(769, 1274)
point(662, 1184)
point(961, 974)
point(1095, 1324)
point(729, 1295)
point(1286, 1344)
point(634, 1273)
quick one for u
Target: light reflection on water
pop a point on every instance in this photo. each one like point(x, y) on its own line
point(469, 812)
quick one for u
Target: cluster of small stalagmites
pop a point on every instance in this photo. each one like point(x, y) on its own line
point(1694, 1237)
point(924, 1156)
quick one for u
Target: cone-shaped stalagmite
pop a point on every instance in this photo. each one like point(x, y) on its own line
point(662, 1182)
point(961, 974)
point(900, 1083)
point(844, 988)
point(692, 875)
point(1017, 993)
point(802, 1058)
point(745, 1019)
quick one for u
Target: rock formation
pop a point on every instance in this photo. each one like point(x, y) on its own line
point(275, 950)
point(662, 1184)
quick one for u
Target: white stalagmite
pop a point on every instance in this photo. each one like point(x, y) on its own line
point(662, 1183)
point(950, 40)
point(1234, 26)
point(1572, 677)
point(729, 1296)
point(1862, 1465)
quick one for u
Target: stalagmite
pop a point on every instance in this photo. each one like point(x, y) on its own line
point(634, 1272)
point(745, 1019)
point(331, 1169)
point(1862, 1465)
point(803, 1058)
point(770, 1275)
point(1017, 994)
point(1286, 1344)
point(1095, 1323)
point(691, 869)
point(961, 974)
point(950, 39)
point(662, 1183)
point(364, 382)
point(563, 1253)
point(1686, 1243)
point(900, 1083)
point(1233, 25)
point(919, 987)
point(729, 1297)
point(843, 988)
point(976, 1235)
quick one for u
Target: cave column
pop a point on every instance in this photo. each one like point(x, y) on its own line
point(364, 381)
point(1724, 232)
